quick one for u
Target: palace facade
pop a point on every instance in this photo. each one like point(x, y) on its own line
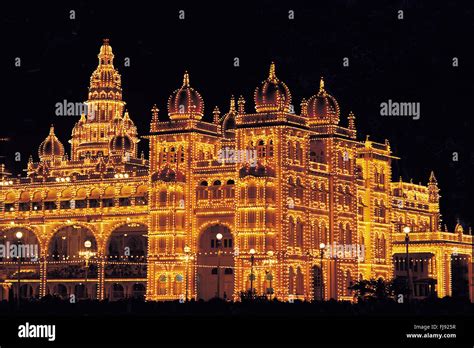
point(243, 202)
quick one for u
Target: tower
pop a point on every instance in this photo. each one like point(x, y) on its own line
point(104, 116)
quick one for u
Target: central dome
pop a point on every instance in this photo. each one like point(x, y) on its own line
point(185, 102)
point(273, 95)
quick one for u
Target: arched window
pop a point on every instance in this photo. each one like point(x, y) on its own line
point(299, 153)
point(348, 283)
point(291, 187)
point(163, 197)
point(291, 228)
point(270, 148)
point(341, 233)
point(324, 233)
point(181, 154)
point(299, 233)
point(348, 197)
point(315, 233)
point(290, 150)
point(299, 189)
point(348, 234)
point(261, 151)
point(299, 282)
point(291, 285)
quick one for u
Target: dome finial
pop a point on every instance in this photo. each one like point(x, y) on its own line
point(186, 79)
point(321, 85)
point(272, 74)
point(51, 129)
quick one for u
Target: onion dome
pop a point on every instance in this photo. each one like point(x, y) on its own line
point(272, 95)
point(185, 102)
point(121, 143)
point(322, 108)
point(51, 146)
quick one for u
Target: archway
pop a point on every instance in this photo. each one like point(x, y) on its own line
point(318, 284)
point(72, 255)
point(19, 259)
point(215, 263)
point(126, 259)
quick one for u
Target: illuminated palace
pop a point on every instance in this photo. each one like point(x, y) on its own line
point(245, 201)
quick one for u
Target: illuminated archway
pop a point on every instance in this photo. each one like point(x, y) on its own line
point(215, 263)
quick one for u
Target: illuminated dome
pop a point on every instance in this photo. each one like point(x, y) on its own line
point(323, 108)
point(51, 146)
point(121, 143)
point(185, 102)
point(272, 95)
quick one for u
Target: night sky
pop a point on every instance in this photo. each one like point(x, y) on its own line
point(407, 60)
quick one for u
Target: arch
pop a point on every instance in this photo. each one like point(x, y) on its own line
point(60, 290)
point(24, 196)
point(10, 197)
point(318, 283)
point(138, 291)
point(67, 241)
point(213, 257)
point(29, 249)
point(299, 282)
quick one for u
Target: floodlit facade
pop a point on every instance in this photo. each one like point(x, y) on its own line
point(243, 202)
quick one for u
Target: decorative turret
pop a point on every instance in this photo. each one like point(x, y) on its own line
point(241, 105)
point(154, 118)
point(351, 121)
point(216, 115)
point(433, 189)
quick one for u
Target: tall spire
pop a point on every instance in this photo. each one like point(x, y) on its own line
point(433, 178)
point(186, 79)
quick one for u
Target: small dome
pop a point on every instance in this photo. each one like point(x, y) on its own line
point(272, 95)
point(185, 102)
point(323, 108)
point(120, 143)
point(51, 146)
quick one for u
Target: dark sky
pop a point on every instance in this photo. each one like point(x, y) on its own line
point(407, 60)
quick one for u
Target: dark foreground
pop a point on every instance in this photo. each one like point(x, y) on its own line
point(379, 323)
